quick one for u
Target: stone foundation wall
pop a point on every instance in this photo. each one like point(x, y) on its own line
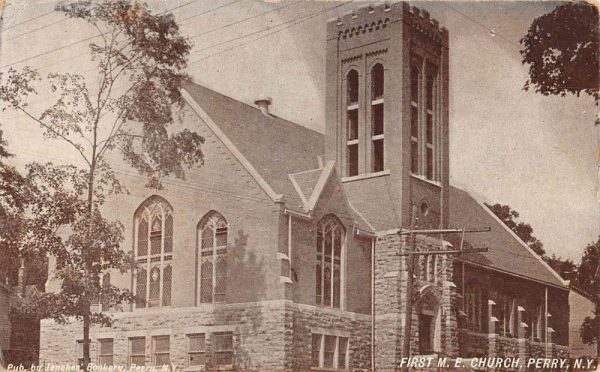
point(303, 320)
point(271, 335)
point(507, 347)
point(473, 344)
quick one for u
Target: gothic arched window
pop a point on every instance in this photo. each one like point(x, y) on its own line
point(154, 253)
point(377, 81)
point(212, 237)
point(330, 238)
point(474, 307)
point(352, 130)
point(352, 86)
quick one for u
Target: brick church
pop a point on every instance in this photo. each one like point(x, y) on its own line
point(285, 249)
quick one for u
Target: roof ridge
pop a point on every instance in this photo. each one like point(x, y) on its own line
point(255, 108)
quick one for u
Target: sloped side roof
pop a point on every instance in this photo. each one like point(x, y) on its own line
point(376, 207)
point(506, 251)
point(307, 181)
point(274, 146)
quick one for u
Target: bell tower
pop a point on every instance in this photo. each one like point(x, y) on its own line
point(387, 107)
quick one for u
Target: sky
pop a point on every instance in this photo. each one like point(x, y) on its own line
point(534, 153)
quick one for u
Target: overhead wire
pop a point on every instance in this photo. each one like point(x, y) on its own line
point(27, 21)
point(289, 23)
point(105, 33)
point(490, 30)
point(194, 187)
point(293, 22)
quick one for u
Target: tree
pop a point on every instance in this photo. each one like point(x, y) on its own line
point(562, 51)
point(566, 268)
point(140, 59)
point(11, 207)
point(15, 193)
point(588, 279)
point(523, 230)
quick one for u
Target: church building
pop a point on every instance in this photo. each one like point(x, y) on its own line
point(287, 248)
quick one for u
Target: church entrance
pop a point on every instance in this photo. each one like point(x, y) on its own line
point(429, 322)
point(426, 334)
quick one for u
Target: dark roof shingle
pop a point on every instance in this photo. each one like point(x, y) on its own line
point(505, 251)
point(274, 146)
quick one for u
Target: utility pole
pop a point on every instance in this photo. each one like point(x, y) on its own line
point(410, 269)
point(597, 283)
point(409, 289)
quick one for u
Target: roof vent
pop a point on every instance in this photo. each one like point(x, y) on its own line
point(263, 103)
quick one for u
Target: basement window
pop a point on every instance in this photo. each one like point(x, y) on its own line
point(329, 351)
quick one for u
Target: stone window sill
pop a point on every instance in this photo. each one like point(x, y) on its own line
point(366, 175)
point(228, 367)
point(426, 180)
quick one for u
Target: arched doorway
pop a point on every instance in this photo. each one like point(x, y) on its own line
point(429, 320)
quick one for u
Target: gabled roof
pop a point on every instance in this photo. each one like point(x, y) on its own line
point(376, 207)
point(305, 183)
point(274, 146)
point(282, 157)
point(506, 252)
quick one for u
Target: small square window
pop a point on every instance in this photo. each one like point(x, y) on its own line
point(223, 348)
point(352, 125)
point(377, 119)
point(430, 129)
point(429, 163)
point(329, 351)
point(137, 351)
point(352, 160)
point(161, 349)
point(105, 352)
point(196, 350)
point(316, 349)
point(414, 122)
point(378, 155)
point(343, 353)
point(414, 156)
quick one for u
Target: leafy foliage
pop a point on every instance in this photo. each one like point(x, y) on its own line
point(566, 268)
point(13, 193)
point(589, 328)
point(92, 242)
point(588, 279)
point(523, 230)
point(562, 51)
point(129, 110)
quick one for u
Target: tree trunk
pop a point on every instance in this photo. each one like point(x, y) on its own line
point(88, 262)
point(598, 327)
point(86, 341)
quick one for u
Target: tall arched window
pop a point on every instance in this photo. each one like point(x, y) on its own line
point(154, 253)
point(212, 237)
point(330, 238)
point(474, 307)
point(377, 116)
point(352, 131)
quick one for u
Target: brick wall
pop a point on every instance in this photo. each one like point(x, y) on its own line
point(357, 255)
point(268, 335)
point(221, 184)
